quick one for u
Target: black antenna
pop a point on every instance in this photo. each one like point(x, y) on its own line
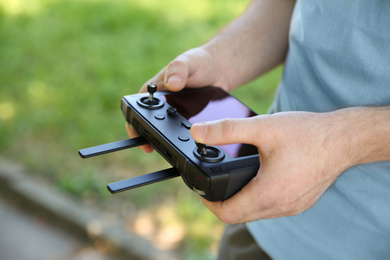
point(112, 147)
point(143, 180)
point(132, 182)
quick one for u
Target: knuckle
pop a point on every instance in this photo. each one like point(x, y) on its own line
point(176, 66)
point(227, 128)
point(231, 216)
point(292, 208)
point(286, 210)
point(228, 219)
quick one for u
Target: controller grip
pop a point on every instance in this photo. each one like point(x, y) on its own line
point(238, 179)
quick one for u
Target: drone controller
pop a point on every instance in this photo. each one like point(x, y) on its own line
point(163, 119)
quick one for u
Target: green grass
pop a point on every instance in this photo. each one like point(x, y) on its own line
point(64, 67)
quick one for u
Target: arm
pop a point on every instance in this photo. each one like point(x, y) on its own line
point(254, 43)
point(301, 155)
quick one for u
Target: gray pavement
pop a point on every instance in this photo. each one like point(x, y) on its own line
point(25, 236)
point(38, 221)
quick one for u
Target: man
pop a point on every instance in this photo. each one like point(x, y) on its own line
point(323, 188)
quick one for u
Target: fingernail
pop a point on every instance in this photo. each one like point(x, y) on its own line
point(199, 132)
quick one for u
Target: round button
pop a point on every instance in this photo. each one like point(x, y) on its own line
point(159, 117)
point(184, 138)
point(186, 124)
point(171, 111)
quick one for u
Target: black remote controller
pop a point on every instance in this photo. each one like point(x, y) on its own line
point(163, 119)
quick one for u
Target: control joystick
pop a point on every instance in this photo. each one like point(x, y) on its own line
point(152, 88)
point(150, 101)
point(208, 153)
point(202, 150)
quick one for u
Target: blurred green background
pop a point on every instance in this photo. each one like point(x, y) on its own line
point(64, 66)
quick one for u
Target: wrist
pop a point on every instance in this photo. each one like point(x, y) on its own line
point(361, 135)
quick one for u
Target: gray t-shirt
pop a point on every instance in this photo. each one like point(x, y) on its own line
point(339, 56)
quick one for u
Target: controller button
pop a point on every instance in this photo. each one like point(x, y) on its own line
point(199, 192)
point(184, 138)
point(159, 117)
point(186, 124)
point(171, 111)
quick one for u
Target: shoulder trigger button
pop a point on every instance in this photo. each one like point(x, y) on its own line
point(199, 192)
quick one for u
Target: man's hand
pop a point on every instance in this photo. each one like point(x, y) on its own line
point(301, 155)
point(194, 68)
point(251, 45)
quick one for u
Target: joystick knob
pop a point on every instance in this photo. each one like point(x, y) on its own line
point(208, 153)
point(151, 102)
point(201, 149)
point(152, 88)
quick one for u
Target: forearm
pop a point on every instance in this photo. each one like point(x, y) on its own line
point(254, 43)
point(364, 134)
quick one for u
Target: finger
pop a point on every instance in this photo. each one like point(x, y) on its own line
point(238, 209)
point(173, 77)
point(226, 131)
point(132, 134)
point(176, 74)
point(232, 215)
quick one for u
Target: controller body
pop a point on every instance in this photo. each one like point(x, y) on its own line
point(164, 120)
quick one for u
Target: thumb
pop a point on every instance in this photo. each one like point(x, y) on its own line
point(176, 74)
point(226, 131)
